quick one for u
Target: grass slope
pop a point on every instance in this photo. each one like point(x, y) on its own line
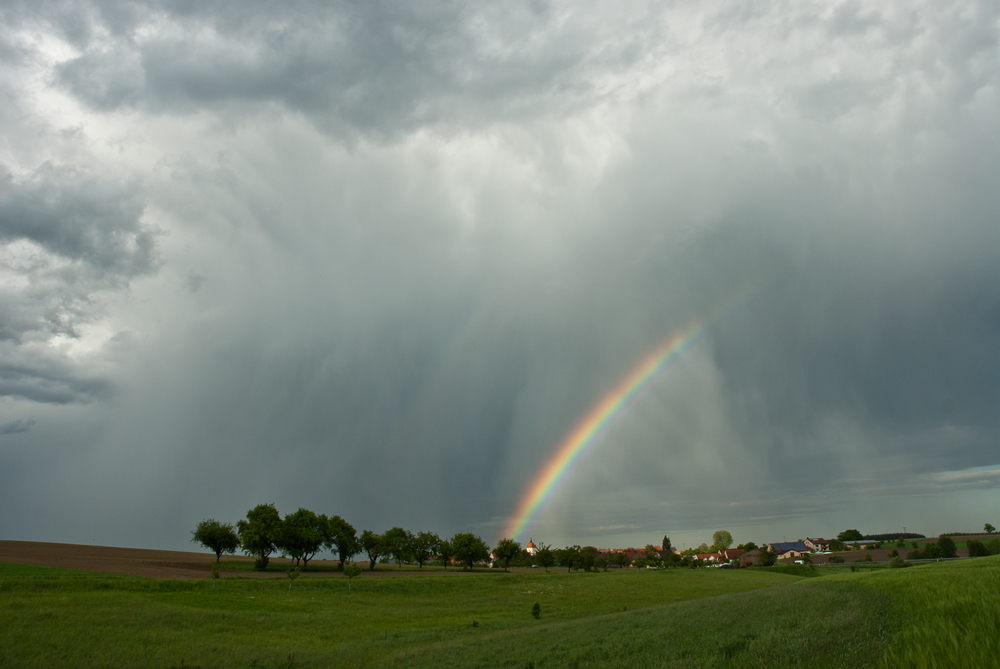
point(96, 621)
point(936, 615)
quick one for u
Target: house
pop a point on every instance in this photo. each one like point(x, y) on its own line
point(730, 554)
point(785, 549)
point(817, 545)
point(748, 558)
point(859, 545)
point(709, 557)
point(531, 548)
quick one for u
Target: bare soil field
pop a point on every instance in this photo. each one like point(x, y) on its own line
point(132, 561)
point(178, 564)
point(878, 555)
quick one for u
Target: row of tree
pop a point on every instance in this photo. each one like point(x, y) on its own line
point(304, 533)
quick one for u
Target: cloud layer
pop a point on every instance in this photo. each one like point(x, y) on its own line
point(376, 259)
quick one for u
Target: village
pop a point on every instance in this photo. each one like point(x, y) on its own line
point(849, 546)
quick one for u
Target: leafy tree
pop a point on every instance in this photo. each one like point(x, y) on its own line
point(545, 557)
point(260, 532)
point(292, 575)
point(703, 548)
point(947, 546)
point(748, 546)
point(424, 545)
point(977, 548)
point(569, 557)
point(350, 571)
point(989, 529)
point(469, 548)
point(588, 557)
point(850, 535)
point(302, 535)
point(506, 550)
point(343, 540)
point(836, 545)
point(721, 540)
point(374, 546)
point(217, 537)
point(399, 544)
point(652, 556)
point(929, 552)
point(768, 558)
point(445, 552)
point(666, 545)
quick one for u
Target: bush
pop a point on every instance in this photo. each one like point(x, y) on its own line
point(947, 547)
point(993, 547)
point(977, 548)
point(898, 563)
point(835, 559)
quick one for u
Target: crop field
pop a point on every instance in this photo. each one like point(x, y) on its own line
point(784, 616)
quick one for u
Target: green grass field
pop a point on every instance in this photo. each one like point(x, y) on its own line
point(783, 616)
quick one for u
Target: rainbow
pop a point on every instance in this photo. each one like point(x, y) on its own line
point(593, 423)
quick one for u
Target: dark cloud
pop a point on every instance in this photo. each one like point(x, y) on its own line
point(402, 327)
point(381, 68)
point(16, 426)
point(79, 217)
point(66, 238)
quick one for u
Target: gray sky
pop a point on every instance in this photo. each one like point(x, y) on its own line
point(377, 259)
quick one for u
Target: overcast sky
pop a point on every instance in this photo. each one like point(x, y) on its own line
point(377, 258)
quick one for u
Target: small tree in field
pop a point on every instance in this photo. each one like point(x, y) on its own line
point(350, 571)
point(217, 537)
point(292, 575)
point(989, 529)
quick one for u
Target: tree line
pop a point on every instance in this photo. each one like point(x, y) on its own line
point(304, 533)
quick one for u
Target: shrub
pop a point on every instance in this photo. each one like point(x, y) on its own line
point(993, 547)
point(898, 563)
point(977, 548)
point(536, 610)
point(947, 546)
point(835, 559)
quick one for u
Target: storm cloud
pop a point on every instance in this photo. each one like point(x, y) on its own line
point(377, 259)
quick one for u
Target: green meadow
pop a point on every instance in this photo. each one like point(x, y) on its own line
point(922, 616)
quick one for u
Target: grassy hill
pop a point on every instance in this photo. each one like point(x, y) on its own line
point(759, 617)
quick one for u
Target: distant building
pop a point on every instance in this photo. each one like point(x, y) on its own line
point(860, 545)
point(748, 558)
point(818, 545)
point(730, 554)
point(789, 549)
point(532, 548)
